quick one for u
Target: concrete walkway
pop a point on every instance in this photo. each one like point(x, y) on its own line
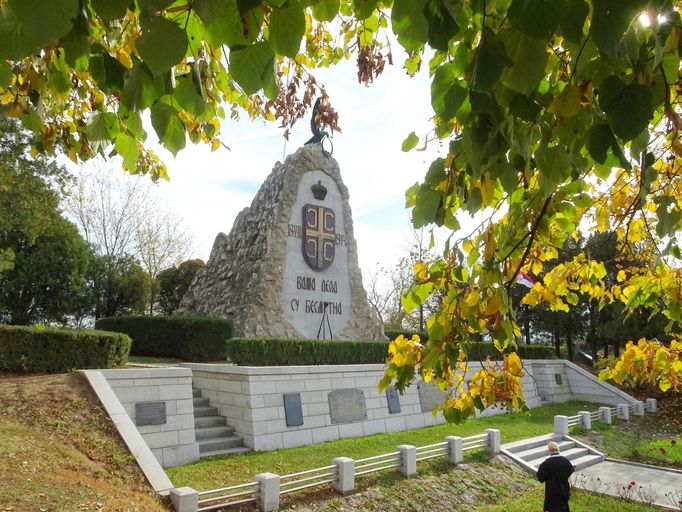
point(648, 484)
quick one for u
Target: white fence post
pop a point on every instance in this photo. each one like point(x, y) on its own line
point(184, 499)
point(408, 459)
point(651, 405)
point(605, 415)
point(345, 480)
point(561, 425)
point(639, 408)
point(268, 491)
point(623, 412)
point(585, 420)
point(454, 455)
point(493, 440)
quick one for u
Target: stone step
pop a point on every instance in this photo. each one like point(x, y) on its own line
point(228, 451)
point(527, 444)
point(541, 451)
point(213, 432)
point(209, 421)
point(222, 443)
point(200, 412)
point(200, 402)
point(196, 393)
point(571, 454)
point(586, 461)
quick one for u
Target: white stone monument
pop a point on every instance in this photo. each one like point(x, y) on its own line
point(289, 267)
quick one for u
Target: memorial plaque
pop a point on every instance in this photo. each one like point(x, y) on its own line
point(429, 396)
point(346, 405)
point(393, 398)
point(150, 413)
point(293, 410)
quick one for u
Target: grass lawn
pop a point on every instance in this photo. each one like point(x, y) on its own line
point(152, 360)
point(581, 501)
point(224, 471)
point(635, 440)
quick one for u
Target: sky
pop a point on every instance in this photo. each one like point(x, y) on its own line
point(208, 189)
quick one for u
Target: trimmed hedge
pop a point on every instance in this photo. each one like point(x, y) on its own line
point(190, 338)
point(285, 352)
point(54, 350)
point(394, 333)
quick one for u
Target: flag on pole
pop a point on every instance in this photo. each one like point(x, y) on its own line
point(524, 279)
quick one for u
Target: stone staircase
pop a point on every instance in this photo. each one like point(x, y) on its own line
point(530, 453)
point(213, 434)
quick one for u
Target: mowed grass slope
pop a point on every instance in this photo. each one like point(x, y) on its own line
point(224, 471)
point(60, 452)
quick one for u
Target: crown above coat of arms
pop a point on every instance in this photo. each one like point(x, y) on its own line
point(319, 190)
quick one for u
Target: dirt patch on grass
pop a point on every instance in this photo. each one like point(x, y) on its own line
point(59, 450)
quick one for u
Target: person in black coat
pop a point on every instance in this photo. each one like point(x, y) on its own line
point(554, 472)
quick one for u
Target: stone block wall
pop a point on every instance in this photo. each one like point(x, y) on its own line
point(173, 442)
point(251, 398)
point(549, 388)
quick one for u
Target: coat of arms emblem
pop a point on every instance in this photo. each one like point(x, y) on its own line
point(319, 236)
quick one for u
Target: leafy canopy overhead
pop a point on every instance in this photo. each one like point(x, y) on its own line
point(558, 114)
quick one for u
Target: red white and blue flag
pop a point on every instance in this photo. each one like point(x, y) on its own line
point(525, 280)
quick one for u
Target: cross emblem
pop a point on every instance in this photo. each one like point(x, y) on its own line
point(319, 236)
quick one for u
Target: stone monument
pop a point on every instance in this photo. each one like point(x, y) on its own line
point(289, 267)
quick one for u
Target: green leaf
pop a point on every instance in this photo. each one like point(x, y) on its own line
point(572, 24)
point(538, 19)
point(101, 129)
point(187, 96)
point(133, 122)
point(168, 127)
point(610, 20)
point(628, 107)
point(604, 148)
point(223, 22)
point(447, 95)
point(25, 26)
point(126, 146)
point(5, 75)
point(162, 45)
point(287, 28)
point(364, 8)
point(524, 108)
point(107, 71)
point(410, 24)
point(442, 26)
point(436, 173)
point(554, 164)
point(326, 10)
point(149, 8)
point(76, 47)
point(426, 206)
point(668, 218)
point(410, 142)
point(530, 58)
point(248, 66)
point(140, 89)
point(490, 60)
point(110, 10)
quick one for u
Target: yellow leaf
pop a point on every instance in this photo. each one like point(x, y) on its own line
point(215, 144)
point(567, 104)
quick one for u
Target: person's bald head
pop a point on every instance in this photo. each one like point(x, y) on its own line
point(552, 447)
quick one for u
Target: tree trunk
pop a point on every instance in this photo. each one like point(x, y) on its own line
point(526, 323)
point(557, 344)
point(569, 343)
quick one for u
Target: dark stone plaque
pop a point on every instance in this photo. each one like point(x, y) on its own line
point(557, 379)
point(346, 405)
point(150, 413)
point(393, 398)
point(293, 410)
point(429, 396)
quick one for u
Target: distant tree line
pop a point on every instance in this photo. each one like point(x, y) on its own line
point(76, 249)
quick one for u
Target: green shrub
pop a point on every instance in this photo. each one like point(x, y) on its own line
point(53, 350)
point(190, 338)
point(285, 352)
point(394, 333)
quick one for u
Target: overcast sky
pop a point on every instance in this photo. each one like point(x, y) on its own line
point(207, 189)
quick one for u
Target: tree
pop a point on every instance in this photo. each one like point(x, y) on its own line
point(555, 114)
point(119, 286)
point(121, 217)
point(173, 283)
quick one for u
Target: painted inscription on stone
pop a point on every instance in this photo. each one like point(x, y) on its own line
point(346, 405)
point(316, 295)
